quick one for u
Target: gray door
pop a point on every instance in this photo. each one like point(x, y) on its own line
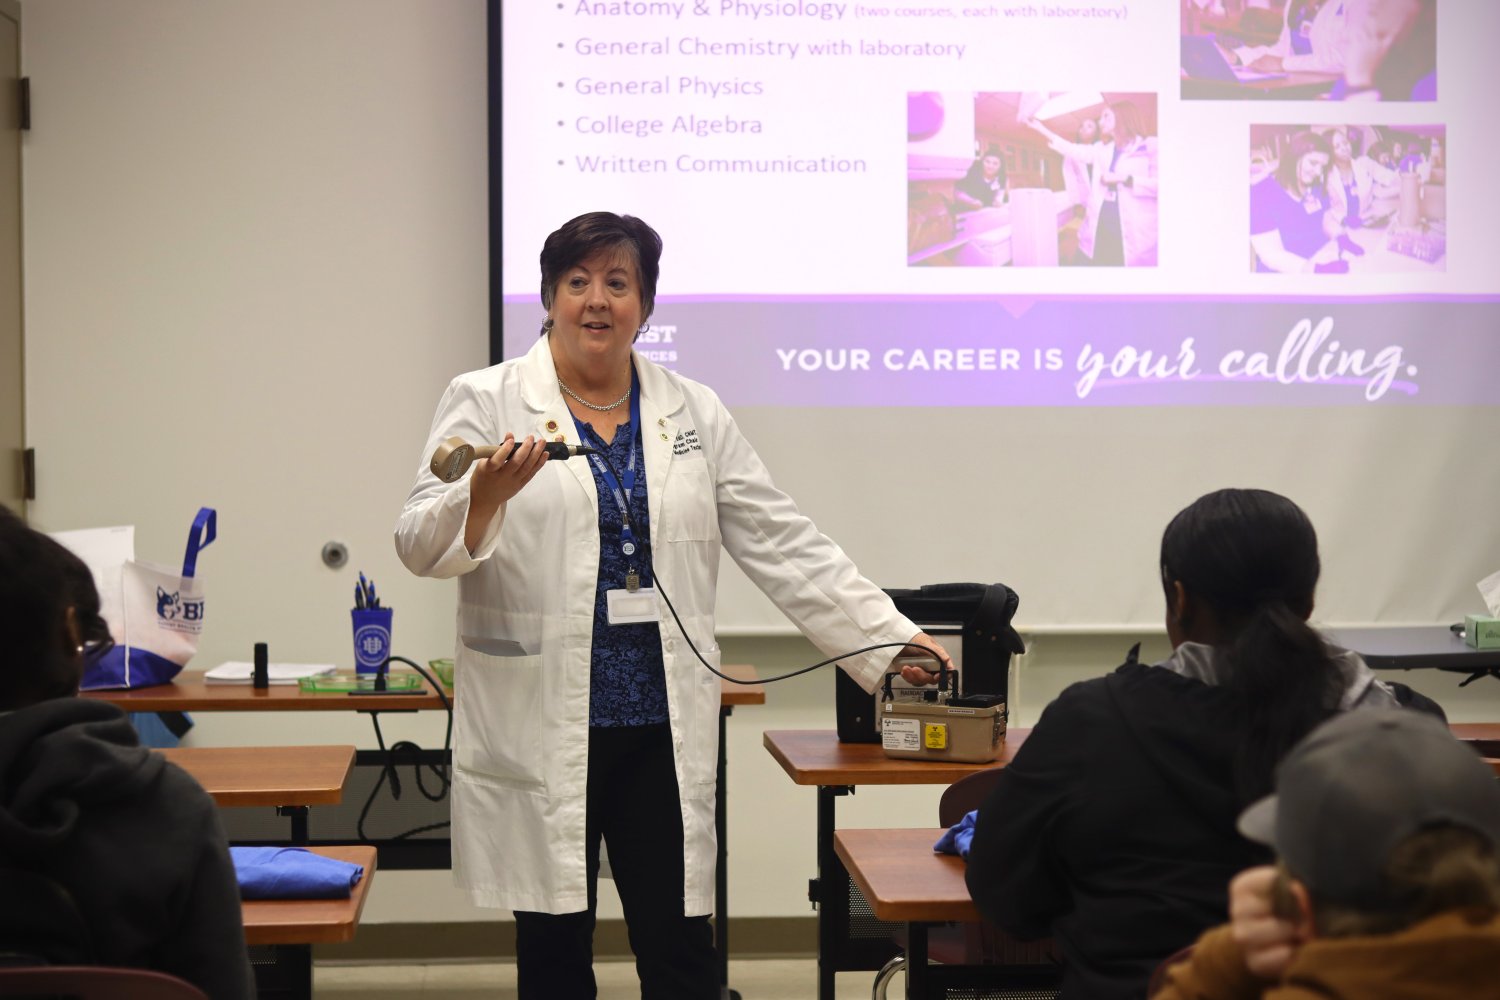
point(12, 389)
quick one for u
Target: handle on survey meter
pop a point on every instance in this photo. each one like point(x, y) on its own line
point(947, 679)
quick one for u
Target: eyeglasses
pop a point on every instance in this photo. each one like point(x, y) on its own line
point(94, 649)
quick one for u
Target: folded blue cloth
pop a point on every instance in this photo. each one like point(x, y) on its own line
point(292, 873)
point(958, 837)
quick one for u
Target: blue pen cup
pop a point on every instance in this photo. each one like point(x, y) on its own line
point(372, 638)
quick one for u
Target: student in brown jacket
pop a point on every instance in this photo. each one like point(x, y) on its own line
point(1388, 883)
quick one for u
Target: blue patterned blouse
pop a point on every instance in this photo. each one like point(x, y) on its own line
point(628, 681)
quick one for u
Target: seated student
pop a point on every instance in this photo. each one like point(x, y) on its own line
point(133, 839)
point(984, 186)
point(1113, 829)
point(1294, 226)
point(1313, 39)
point(1388, 832)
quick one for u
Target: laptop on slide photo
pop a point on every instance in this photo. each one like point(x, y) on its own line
point(1202, 59)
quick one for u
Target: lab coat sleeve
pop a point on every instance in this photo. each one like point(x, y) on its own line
point(1141, 168)
point(1077, 151)
point(1330, 30)
point(430, 531)
point(799, 568)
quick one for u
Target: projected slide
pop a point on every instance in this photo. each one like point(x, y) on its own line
point(933, 203)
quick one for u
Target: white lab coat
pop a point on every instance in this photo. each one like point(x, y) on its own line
point(521, 732)
point(1366, 175)
point(1327, 35)
point(1137, 200)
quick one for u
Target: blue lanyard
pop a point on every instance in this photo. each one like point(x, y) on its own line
point(622, 496)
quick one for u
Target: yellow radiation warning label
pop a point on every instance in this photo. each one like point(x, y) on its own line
point(935, 736)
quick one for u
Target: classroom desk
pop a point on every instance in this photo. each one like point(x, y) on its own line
point(816, 757)
point(190, 693)
point(290, 927)
point(289, 778)
point(1380, 259)
point(1292, 87)
point(906, 882)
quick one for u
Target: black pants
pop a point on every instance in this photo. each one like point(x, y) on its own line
point(633, 804)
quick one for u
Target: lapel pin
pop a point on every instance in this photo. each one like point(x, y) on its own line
point(551, 426)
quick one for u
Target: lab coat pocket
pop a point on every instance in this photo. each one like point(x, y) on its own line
point(501, 729)
point(688, 510)
point(701, 733)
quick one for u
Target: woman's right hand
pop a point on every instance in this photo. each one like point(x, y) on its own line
point(501, 476)
point(498, 478)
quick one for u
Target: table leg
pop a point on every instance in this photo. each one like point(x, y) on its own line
point(299, 822)
point(721, 869)
point(831, 893)
point(288, 975)
point(916, 960)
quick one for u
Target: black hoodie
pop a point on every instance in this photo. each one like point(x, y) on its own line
point(1114, 828)
point(134, 839)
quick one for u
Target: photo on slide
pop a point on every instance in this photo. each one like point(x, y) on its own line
point(1031, 179)
point(1340, 199)
point(1341, 50)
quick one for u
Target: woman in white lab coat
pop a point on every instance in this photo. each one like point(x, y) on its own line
point(581, 711)
point(1314, 38)
point(1120, 218)
point(1078, 180)
point(1354, 182)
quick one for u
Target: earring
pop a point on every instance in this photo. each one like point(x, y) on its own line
point(547, 325)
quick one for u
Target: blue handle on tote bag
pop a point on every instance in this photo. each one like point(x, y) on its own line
point(205, 529)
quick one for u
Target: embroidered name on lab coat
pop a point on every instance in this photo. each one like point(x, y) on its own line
point(686, 441)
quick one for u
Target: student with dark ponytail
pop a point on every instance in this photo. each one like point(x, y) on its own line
point(1113, 830)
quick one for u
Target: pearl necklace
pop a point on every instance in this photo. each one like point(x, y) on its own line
point(595, 406)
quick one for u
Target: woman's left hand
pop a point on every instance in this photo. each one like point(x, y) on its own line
point(917, 675)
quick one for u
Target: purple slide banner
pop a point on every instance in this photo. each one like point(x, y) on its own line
point(1072, 351)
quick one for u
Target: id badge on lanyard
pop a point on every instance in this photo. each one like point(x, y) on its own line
point(632, 604)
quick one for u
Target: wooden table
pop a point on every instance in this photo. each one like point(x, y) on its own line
point(312, 921)
point(190, 693)
point(906, 882)
point(289, 778)
point(816, 757)
point(290, 927)
point(1291, 87)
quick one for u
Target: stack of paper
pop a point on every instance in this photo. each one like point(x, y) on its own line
point(237, 672)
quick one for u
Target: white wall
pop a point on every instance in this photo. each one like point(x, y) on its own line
point(255, 253)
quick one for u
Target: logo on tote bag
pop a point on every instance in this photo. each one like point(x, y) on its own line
point(176, 614)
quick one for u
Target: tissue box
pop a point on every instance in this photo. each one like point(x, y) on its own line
point(1482, 632)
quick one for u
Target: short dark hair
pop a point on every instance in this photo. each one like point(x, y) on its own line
point(1296, 148)
point(593, 233)
point(35, 595)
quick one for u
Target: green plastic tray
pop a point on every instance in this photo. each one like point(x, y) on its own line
point(344, 683)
